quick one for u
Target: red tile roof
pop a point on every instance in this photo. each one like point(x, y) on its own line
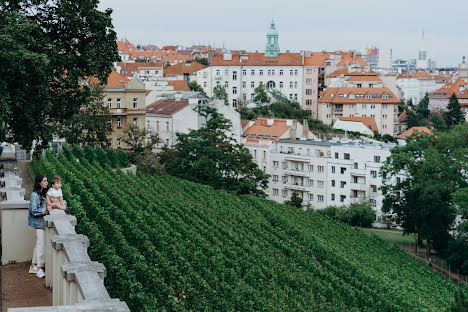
point(116, 80)
point(166, 107)
point(365, 78)
point(403, 117)
point(348, 59)
point(369, 122)
point(129, 69)
point(450, 88)
point(284, 59)
point(260, 130)
point(316, 59)
point(341, 96)
point(179, 85)
point(345, 72)
point(183, 68)
point(412, 131)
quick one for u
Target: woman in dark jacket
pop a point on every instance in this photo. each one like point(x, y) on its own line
point(37, 211)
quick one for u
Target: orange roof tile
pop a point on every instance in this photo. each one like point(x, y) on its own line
point(412, 131)
point(166, 107)
point(345, 72)
point(245, 123)
point(129, 69)
point(403, 117)
point(342, 96)
point(450, 88)
point(179, 85)
point(316, 59)
point(260, 130)
point(183, 68)
point(116, 80)
point(364, 78)
point(284, 59)
point(348, 60)
point(369, 122)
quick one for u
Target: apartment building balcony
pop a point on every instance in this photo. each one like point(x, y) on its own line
point(295, 187)
point(297, 157)
point(359, 187)
point(357, 199)
point(118, 111)
point(338, 110)
point(357, 172)
point(298, 173)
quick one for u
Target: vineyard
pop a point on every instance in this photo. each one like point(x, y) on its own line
point(173, 245)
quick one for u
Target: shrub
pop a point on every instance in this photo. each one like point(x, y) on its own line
point(123, 159)
point(89, 153)
point(112, 158)
point(149, 164)
point(101, 156)
point(77, 151)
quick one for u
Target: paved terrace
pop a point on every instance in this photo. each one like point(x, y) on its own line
point(73, 282)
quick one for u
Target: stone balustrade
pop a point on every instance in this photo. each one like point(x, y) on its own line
point(76, 281)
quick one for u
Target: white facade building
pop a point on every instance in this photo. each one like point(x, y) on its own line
point(327, 173)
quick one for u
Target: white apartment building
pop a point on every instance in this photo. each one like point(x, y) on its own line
point(240, 74)
point(203, 77)
point(416, 85)
point(327, 173)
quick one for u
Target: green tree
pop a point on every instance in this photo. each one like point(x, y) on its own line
point(90, 125)
point(203, 61)
point(194, 86)
point(139, 140)
point(438, 122)
point(410, 103)
point(454, 113)
point(414, 119)
point(423, 107)
point(420, 180)
point(402, 106)
point(148, 163)
point(209, 156)
point(295, 201)
point(260, 95)
point(220, 93)
point(50, 46)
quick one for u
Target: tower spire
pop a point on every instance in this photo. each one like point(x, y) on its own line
point(272, 48)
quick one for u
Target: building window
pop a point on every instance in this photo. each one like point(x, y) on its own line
point(320, 198)
point(295, 84)
point(372, 106)
point(384, 106)
point(135, 122)
point(281, 84)
point(309, 81)
point(328, 116)
point(355, 179)
point(281, 72)
point(234, 75)
point(261, 72)
point(252, 72)
point(295, 96)
point(284, 179)
point(359, 85)
point(118, 103)
point(385, 96)
point(234, 90)
point(374, 188)
point(252, 84)
point(275, 192)
point(377, 159)
point(308, 102)
point(109, 142)
point(332, 196)
point(311, 168)
point(346, 156)
point(333, 183)
point(204, 84)
point(311, 197)
point(373, 174)
point(291, 72)
point(308, 91)
point(384, 116)
point(167, 126)
point(135, 103)
point(109, 103)
point(119, 143)
point(320, 184)
point(356, 166)
point(205, 75)
point(218, 72)
point(364, 105)
point(244, 72)
point(333, 169)
point(226, 72)
point(226, 84)
point(342, 184)
point(310, 182)
point(342, 169)
point(368, 96)
point(285, 193)
point(336, 155)
point(373, 202)
point(285, 165)
point(269, 73)
point(342, 198)
point(119, 123)
point(275, 178)
point(320, 169)
point(296, 72)
point(244, 84)
point(291, 84)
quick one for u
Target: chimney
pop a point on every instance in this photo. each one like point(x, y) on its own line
point(270, 122)
point(305, 129)
point(293, 131)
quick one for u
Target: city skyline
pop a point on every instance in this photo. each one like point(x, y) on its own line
point(219, 25)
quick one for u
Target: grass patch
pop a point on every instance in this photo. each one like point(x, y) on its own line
point(391, 236)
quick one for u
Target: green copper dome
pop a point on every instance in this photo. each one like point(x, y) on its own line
point(272, 48)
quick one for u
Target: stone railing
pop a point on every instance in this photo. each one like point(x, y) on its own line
point(77, 283)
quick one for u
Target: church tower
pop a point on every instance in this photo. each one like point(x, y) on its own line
point(422, 61)
point(272, 48)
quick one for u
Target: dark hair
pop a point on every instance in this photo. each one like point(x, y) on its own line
point(55, 180)
point(37, 186)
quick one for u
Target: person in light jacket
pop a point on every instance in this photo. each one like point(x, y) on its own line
point(37, 211)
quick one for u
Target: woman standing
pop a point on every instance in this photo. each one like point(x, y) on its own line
point(37, 211)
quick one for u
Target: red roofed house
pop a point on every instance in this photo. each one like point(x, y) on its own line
point(144, 71)
point(183, 71)
point(364, 125)
point(379, 103)
point(413, 130)
point(179, 85)
point(126, 101)
point(264, 132)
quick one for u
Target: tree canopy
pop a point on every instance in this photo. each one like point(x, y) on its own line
point(219, 92)
point(454, 111)
point(209, 156)
point(421, 180)
point(50, 47)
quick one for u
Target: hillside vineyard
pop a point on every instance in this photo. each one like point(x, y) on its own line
point(173, 245)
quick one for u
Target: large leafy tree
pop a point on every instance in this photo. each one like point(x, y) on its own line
point(260, 95)
point(219, 92)
point(421, 180)
point(47, 48)
point(454, 112)
point(140, 140)
point(209, 156)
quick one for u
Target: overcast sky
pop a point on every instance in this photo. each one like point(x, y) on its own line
point(312, 25)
